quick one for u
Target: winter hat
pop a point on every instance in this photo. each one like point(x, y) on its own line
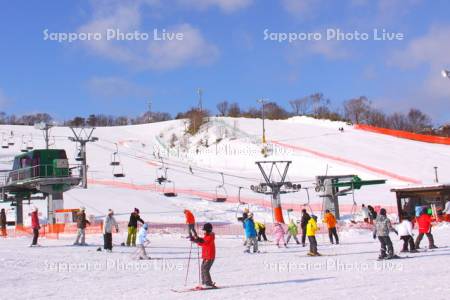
point(382, 212)
point(82, 208)
point(303, 210)
point(207, 227)
point(110, 212)
point(136, 210)
point(145, 226)
point(327, 210)
point(314, 217)
point(250, 215)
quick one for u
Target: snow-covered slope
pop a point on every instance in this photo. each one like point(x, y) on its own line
point(231, 146)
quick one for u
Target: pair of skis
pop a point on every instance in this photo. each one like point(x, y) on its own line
point(196, 289)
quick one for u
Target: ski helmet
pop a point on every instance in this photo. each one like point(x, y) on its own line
point(207, 227)
point(145, 226)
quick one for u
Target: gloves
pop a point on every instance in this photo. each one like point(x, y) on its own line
point(374, 236)
point(396, 232)
point(117, 230)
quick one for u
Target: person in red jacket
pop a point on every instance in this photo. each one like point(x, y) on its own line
point(190, 221)
point(208, 254)
point(424, 222)
point(35, 226)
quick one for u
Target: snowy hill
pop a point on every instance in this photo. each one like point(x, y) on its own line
point(230, 146)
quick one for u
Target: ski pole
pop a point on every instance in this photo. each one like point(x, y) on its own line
point(198, 260)
point(189, 261)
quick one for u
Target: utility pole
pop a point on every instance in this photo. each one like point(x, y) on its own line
point(83, 141)
point(200, 99)
point(150, 111)
point(46, 129)
point(263, 102)
point(436, 175)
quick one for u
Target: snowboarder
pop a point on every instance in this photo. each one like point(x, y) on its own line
point(35, 226)
point(3, 223)
point(108, 224)
point(330, 220)
point(278, 232)
point(81, 227)
point(292, 232)
point(406, 235)
point(190, 221)
point(424, 222)
point(382, 228)
point(303, 223)
point(208, 254)
point(132, 227)
point(142, 240)
point(311, 229)
point(372, 214)
point(261, 230)
point(250, 234)
point(365, 213)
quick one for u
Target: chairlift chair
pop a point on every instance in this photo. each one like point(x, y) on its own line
point(4, 142)
point(23, 147)
point(224, 195)
point(120, 174)
point(11, 139)
point(115, 159)
point(172, 191)
point(30, 143)
point(240, 203)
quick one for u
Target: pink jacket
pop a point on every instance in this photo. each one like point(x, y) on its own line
point(278, 231)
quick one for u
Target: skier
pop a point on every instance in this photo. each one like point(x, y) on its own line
point(108, 224)
point(190, 221)
point(81, 227)
point(372, 214)
point(382, 228)
point(292, 232)
point(261, 230)
point(330, 220)
point(278, 232)
point(208, 255)
point(35, 226)
point(132, 227)
point(250, 234)
point(406, 235)
point(3, 223)
point(447, 208)
point(365, 213)
point(311, 229)
point(424, 222)
point(142, 240)
point(303, 223)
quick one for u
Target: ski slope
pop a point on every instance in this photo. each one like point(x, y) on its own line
point(315, 147)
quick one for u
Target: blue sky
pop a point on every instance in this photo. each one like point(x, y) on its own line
point(223, 52)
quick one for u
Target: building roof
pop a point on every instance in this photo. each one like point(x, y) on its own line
point(422, 188)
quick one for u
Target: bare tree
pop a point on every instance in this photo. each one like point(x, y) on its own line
point(356, 109)
point(234, 110)
point(418, 121)
point(300, 106)
point(222, 107)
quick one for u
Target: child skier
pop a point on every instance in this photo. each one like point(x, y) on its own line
point(81, 227)
point(405, 232)
point(311, 229)
point(250, 234)
point(142, 240)
point(3, 223)
point(261, 230)
point(278, 232)
point(292, 232)
point(330, 220)
point(424, 222)
point(382, 228)
point(190, 221)
point(208, 255)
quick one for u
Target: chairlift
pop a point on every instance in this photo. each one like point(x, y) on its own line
point(115, 159)
point(120, 174)
point(240, 203)
point(79, 157)
point(4, 142)
point(224, 195)
point(11, 139)
point(169, 192)
point(23, 147)
point(307, 204)
point(354, 206)
point(30, 143)
point(161, 173)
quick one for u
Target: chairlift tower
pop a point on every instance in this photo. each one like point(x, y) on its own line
point(45, 128)
point(83, 140)
point(200, 99)
point(273, 187)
